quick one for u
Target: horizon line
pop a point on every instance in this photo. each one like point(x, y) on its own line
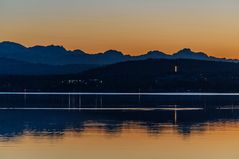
point(123, 93)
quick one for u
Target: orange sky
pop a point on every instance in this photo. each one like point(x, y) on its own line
point(131, 26)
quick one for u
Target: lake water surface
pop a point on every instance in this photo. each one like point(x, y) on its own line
point(138, 127)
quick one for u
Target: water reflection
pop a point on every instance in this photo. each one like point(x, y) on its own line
point(89, 127)
point(16, 123)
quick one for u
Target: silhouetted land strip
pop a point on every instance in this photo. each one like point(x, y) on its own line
point(152, 75)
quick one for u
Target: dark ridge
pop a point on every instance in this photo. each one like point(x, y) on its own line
point(58, 55)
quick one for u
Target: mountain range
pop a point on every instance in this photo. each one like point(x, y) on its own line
point(18, 59)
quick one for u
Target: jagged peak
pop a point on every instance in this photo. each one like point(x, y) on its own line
point(11, 44)
point(50, 47)
point(185, 50)
point(78, 51)
point(189, 52)
point(113, 52)
point(155, 52)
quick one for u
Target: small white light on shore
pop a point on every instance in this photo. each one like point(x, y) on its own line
point(176, 69)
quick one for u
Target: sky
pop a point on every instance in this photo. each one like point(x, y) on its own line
point(131, 26)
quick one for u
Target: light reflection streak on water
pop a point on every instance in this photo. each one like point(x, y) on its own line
point(120, 94)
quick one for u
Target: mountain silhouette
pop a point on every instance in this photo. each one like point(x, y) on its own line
point(53, 59)
point(113, 53)
point(189, 54)
point(58, 55)
point(154, 55)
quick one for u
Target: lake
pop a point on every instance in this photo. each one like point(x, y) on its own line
point(136, 126)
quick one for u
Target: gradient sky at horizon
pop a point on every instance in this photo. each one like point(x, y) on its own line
point(131, 26)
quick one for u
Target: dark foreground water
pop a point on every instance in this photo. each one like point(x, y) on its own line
point(59, 127)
